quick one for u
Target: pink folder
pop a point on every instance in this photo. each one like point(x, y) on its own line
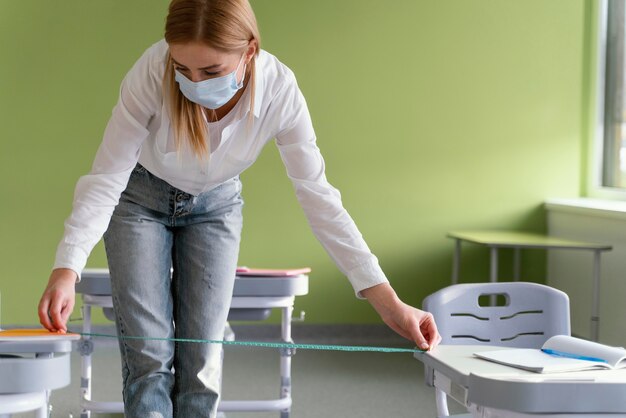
point(247, 271)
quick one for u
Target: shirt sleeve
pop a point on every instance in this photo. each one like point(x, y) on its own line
point(321, 202)
point(97, 193)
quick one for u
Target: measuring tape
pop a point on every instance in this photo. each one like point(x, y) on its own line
point(265, 344)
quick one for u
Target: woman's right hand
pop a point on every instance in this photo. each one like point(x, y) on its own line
point(57, 301)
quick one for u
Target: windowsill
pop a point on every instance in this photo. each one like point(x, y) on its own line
point(588, 206)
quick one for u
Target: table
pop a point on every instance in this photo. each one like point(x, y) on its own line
point(517, 241)
point(479, 384)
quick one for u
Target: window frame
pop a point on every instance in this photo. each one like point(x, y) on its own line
point(595, 187)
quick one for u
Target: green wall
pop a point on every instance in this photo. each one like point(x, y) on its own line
point(432, 116)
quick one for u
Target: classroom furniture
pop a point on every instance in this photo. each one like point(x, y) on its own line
point(489, 389)
point(29, 371)
point(529, 315)
point(253, 299)
point(496, 240)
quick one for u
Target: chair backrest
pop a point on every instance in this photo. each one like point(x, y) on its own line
point(531, 313)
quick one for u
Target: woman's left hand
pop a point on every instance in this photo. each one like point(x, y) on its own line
point(411, 323)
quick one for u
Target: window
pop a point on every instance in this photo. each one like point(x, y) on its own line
point(614, 123)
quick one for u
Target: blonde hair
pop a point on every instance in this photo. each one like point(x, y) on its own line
point(227, 25)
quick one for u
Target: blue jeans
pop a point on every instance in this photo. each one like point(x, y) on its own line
point(172, 258)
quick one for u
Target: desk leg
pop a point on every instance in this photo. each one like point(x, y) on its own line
point(85, 370)
point(456, 261)
point(595, 306)
point(285, 359)
point(44, 411)
point(516, 264)
point(493, 273)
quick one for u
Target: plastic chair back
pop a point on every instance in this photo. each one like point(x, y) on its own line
point(525, 314)
point(513, 314)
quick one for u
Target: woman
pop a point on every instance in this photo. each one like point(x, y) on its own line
point(194, 112)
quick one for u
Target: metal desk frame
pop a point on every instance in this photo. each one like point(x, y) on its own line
point(517, 241)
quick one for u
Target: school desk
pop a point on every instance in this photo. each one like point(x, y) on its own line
point(517, 241)
point(484, 386)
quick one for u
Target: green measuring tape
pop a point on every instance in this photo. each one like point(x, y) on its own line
point(265, 344)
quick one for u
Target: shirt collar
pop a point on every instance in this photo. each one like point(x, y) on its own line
point(259, 84)
point(258, 94)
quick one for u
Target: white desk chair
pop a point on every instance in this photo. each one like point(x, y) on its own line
point(525, 315)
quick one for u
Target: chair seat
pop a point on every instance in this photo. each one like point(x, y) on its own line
point(34, 374)
point(13, 403)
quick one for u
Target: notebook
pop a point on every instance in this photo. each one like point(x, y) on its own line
point(561, 353)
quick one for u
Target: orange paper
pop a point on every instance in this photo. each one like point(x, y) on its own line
point(21, 334)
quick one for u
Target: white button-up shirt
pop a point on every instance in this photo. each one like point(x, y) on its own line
point(140, 131)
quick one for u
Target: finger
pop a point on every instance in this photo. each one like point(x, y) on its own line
point(55, 314)
point(431, 329)
point(416, 335)
point(433, 341)
point(427, 332)
point(67, 311)
point(44, 318)
point(436, 340)
point(411, 332)
point(419, 339)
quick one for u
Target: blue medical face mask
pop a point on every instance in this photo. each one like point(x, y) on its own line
point(211, 93)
